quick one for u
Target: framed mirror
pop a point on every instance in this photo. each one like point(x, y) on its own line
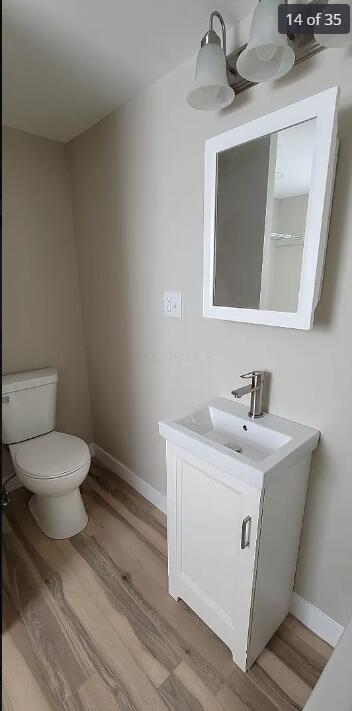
point(268, 190)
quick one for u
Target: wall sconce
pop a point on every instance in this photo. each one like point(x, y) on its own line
point(267, 56)
point(335, 41)
point(211, 90)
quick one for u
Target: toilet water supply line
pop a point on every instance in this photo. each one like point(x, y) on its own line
point(4, 493)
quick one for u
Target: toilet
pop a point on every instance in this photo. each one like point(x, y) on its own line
point(50, 464)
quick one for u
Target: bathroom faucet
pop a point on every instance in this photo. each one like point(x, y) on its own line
point(256, 388)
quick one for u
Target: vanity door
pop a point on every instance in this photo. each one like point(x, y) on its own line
point(212, 542)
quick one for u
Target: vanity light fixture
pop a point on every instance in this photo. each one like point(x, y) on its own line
point(211, 90)
point(268, 55)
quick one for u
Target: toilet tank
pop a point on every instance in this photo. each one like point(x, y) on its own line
point(28, 404)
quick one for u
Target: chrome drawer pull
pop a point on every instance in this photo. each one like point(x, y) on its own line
point(246, 529)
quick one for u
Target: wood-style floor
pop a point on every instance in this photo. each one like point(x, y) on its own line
point(89, 625)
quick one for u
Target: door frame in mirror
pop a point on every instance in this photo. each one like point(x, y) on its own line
point(323, 108)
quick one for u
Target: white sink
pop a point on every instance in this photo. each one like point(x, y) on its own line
point(221, 433)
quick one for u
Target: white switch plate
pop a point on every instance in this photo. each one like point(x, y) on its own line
point(173, 304)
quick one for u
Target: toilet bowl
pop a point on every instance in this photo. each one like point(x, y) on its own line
point(53, 467)
point(50, 464)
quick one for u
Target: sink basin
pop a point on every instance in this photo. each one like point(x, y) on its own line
point(222, 433)
point(235, 432)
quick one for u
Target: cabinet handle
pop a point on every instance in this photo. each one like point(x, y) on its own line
point(246, 529)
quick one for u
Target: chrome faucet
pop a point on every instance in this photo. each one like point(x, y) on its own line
point(256, 388)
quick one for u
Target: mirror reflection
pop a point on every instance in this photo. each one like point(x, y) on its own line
point(261, 209)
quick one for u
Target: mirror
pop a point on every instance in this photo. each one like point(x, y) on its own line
point(260, 230)
point(266, 214)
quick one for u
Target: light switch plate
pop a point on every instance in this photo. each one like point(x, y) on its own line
point(173, 304)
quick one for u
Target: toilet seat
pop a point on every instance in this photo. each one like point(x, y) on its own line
point(51, 456)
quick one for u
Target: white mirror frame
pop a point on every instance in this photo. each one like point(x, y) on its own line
point(323, 108)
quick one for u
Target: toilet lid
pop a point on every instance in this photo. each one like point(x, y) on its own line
point(52, 455)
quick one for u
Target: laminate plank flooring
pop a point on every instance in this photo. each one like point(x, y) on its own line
point(88, 624)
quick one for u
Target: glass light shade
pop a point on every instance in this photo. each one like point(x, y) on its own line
point(267, 55)
point(210, 90)
point(335, 41)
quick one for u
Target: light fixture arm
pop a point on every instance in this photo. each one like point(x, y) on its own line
point(217, 14)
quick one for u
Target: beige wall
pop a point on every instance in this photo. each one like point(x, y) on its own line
point(42, 324)
point(137, 182)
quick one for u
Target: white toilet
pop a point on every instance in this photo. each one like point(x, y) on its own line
point(51, 464)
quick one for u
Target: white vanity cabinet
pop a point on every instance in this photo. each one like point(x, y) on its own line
point(233, 547)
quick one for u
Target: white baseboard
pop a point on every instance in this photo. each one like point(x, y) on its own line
point(147, 490)
point(316, 620)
